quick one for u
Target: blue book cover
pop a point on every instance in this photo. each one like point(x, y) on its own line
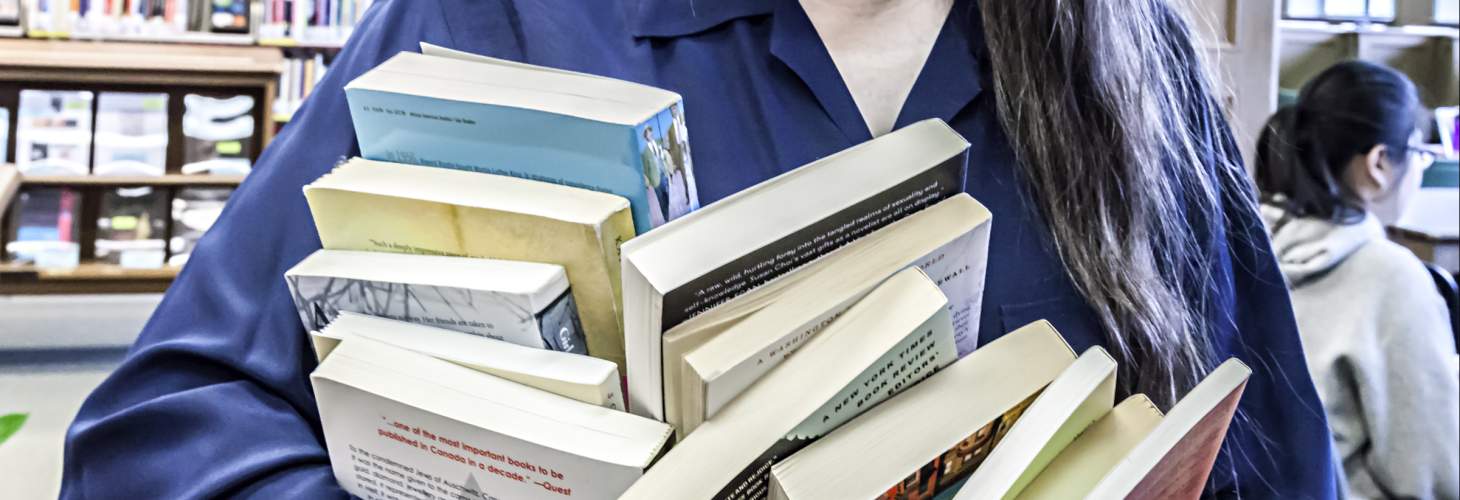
point(535, 123)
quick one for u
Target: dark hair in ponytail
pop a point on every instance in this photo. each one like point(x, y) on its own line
point(1114, 120)
point(1344, 112)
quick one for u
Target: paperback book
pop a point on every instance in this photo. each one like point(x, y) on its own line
point(926, 441)
point(525, 303)
point(53, 132)
point(401, 424)
point(486, 115)
point(897, 336)
point(710, 359)
point(692, 265)
point(131, 134)
point(375, 206)
point(584, 378)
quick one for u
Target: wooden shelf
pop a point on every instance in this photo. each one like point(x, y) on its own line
point(137, 63)
point(85, 278)
point(182, 38)
point(164, 180)
point(296, 44)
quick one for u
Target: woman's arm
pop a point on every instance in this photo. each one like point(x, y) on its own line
point(214, 399)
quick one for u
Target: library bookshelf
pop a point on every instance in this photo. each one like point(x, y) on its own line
point(176, 69)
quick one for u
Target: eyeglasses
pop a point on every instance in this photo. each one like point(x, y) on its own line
point(1423, 155)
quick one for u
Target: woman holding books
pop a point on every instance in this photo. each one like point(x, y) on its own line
point(1334, 170)
point(1122, 213)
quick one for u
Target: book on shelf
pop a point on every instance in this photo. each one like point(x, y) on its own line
point(1447, 127)
point(524, 303)
point(9, 185)
point(131, 226)
point(526, 121)
point(691, 265)
point(713, 357)
point(398, 423)
point(43, 228)
point(194, 211)
point(300, 74)
point(583, 378)
point(9, 16)
point(898, 335)
point(927, 440)
point(4, 135)
point(53, 132)
point(387, 207)
point(322, 22)
point(218, 134)
point(131, 134)
point(143, 20)
point(1170, 459)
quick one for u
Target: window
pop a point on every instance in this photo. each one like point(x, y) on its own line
point(1344, 10)
point(1447, 12)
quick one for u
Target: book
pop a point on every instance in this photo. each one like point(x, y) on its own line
point(710, 360)
point(524, 303)
point(387, 207)
point(43, 228)
point(583, 378)
point(4, 135)
point(1078, 397)
point(924, 441)
point(898, 335)
point(9, 185)
point(194, 211)
point(218, 134)
point(1085, 461)
point(131, 134)
point(400, 424)
point(691, 265)
point(526, 121)
point(1174, 460)
point(53, 132)
point(131, 226)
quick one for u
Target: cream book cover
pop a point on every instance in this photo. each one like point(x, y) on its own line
point(389, 207)
point(400, 424)
point(584, 378)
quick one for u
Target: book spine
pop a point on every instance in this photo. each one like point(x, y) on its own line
point(804, 245)
point(916, 357)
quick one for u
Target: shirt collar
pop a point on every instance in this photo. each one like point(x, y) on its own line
point(672, 18)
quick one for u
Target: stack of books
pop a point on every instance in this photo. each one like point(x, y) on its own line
point(516, 238)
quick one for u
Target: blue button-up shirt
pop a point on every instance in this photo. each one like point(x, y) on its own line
point(214, 399)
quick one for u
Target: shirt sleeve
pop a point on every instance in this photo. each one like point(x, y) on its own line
point(1409, 398)
point(214, 398)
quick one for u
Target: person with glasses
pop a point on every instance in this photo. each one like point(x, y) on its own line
point(1334, 170)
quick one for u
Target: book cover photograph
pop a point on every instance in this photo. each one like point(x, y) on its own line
point(940, 478)
point(668, 169)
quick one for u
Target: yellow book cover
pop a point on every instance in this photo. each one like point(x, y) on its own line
point(387, 207)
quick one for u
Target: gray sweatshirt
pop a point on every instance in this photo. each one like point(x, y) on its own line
point(1377, 337)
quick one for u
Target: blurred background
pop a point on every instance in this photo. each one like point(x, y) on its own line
point(125, 125)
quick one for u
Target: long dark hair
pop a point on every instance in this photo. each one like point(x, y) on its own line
point(1114, 120)
point(1342, 113)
